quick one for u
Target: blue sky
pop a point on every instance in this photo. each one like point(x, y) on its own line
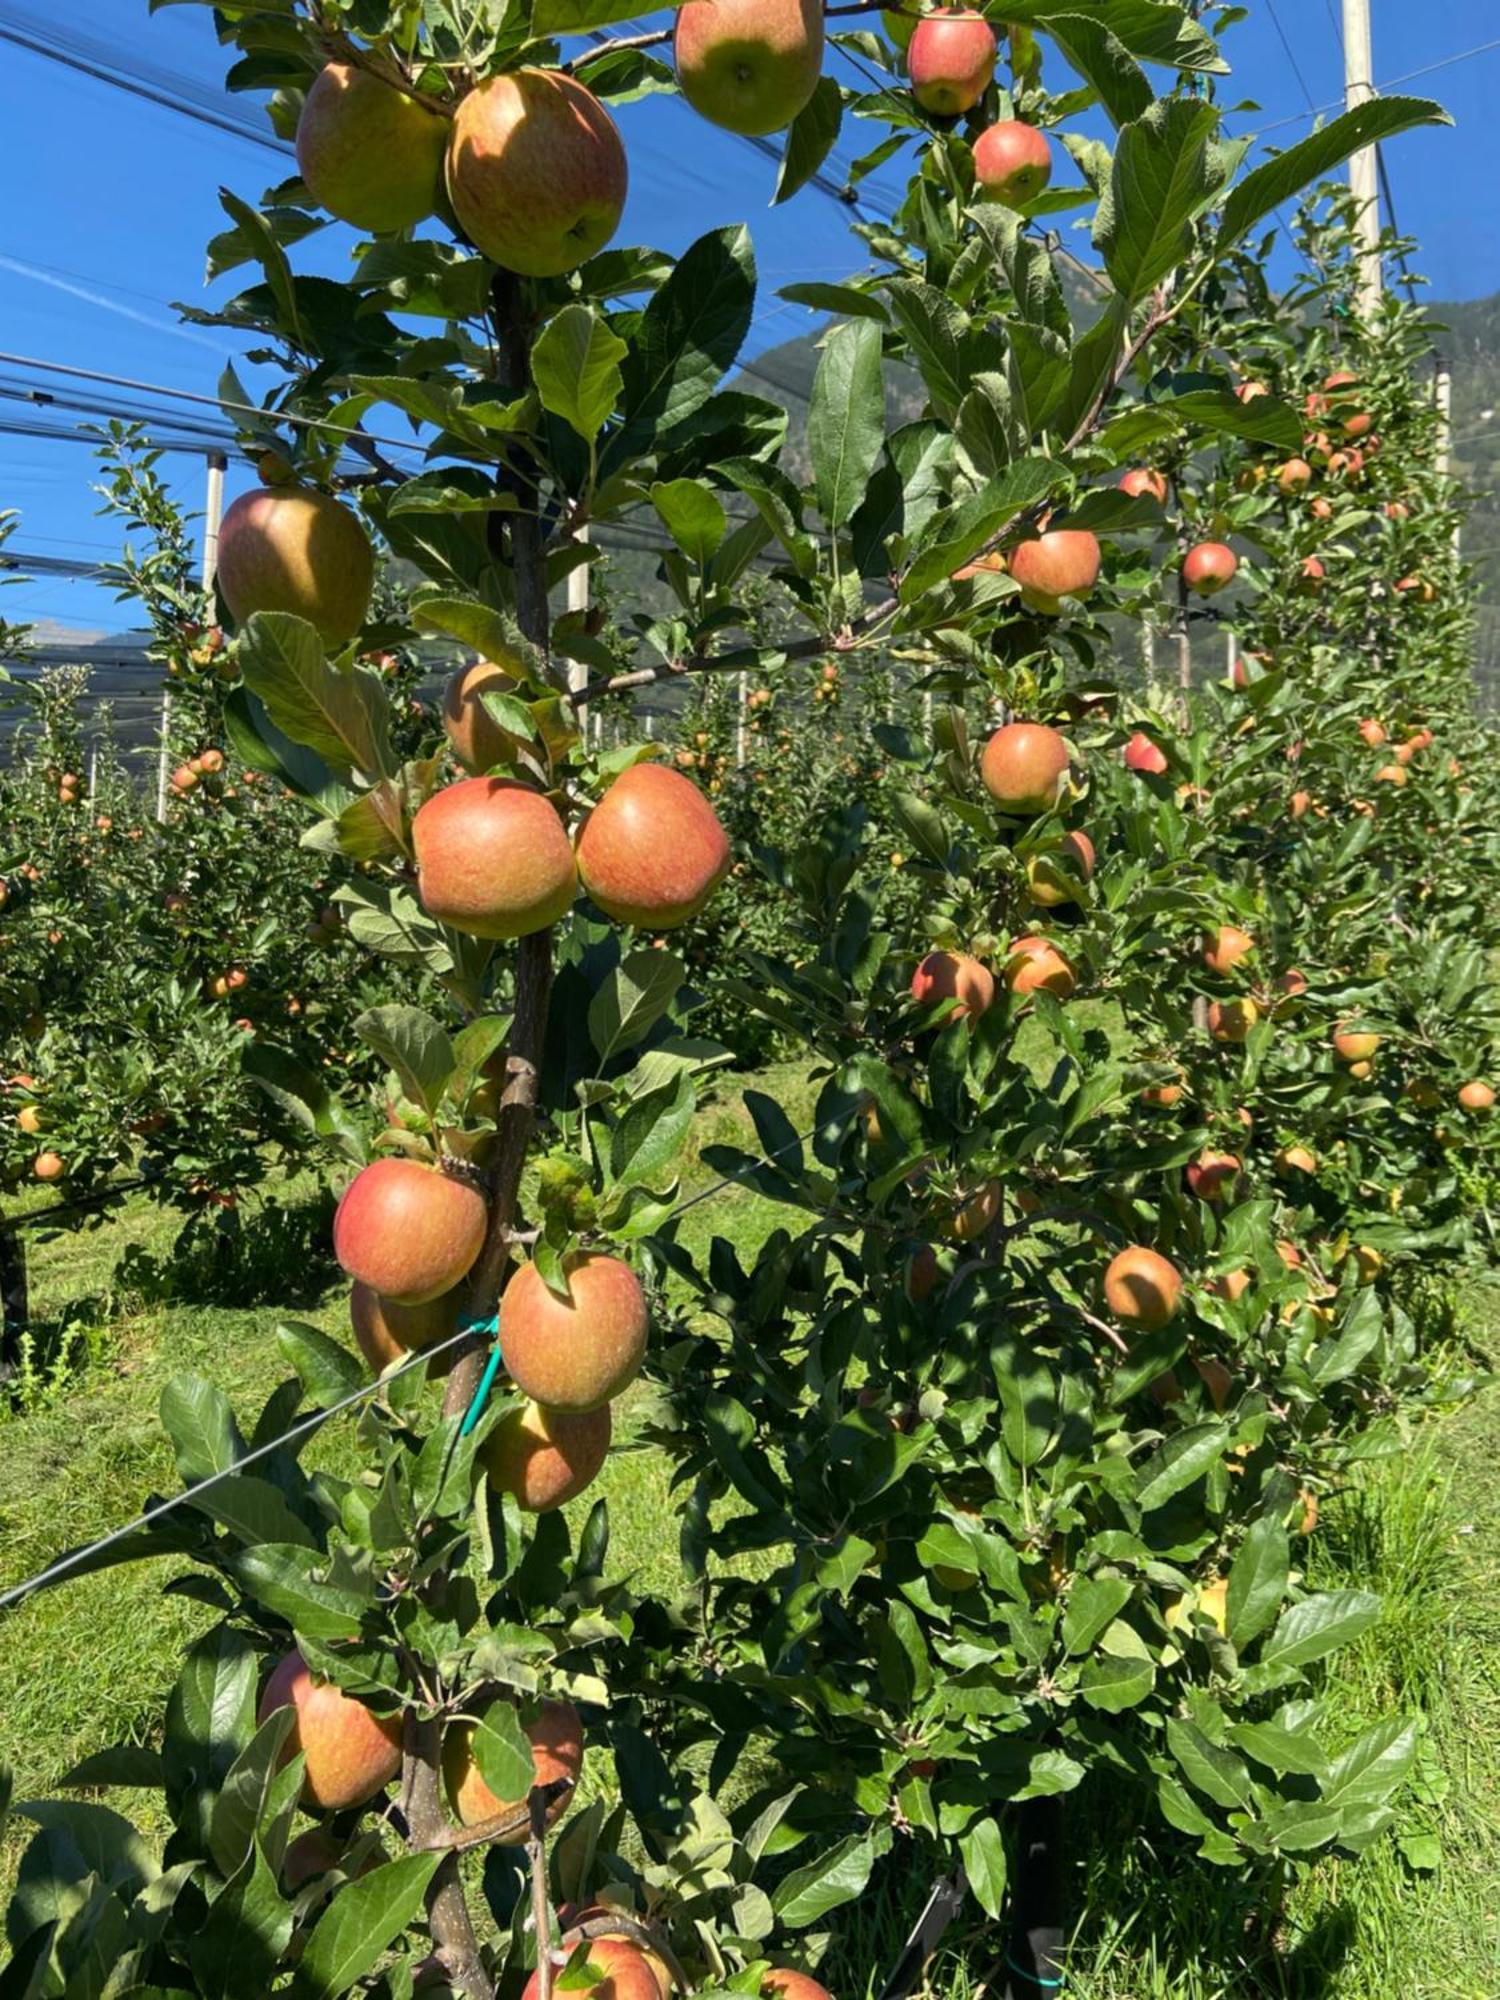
point(121, 196)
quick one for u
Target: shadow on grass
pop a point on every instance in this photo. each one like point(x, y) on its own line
point(279, 1253)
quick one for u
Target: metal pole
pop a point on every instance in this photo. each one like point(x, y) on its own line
point(1443, 396)
point(1229, 656)
point(163, 755)
point(1359, 88)
point(213, 514)
point(578, 602)
point(742, 695)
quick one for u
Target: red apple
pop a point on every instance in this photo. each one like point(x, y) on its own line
point(950, 60)
point(1063, 562)
point(1012, 162)
point(1025, 767)
point(1144, 757)
point(1209, 567)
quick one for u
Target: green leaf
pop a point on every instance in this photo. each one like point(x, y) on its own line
point(686, 339)
point(632, 1000)
point(1263, 420)
point(1093, 1603)
point(1105, 63)
point(341, 715)
point(364, 1919)
point(1112, 1684)
point(210, 1718)
point(837, 1876)
point(576, 366)
point(843, 301)
point(257, 741)
point(1319, 1625)
point(1175, 1465)
point(125, 1764)
point(416, 1047)
point(810, 139)
point(282, 1577)
point(198, 1419)
point(1281, 1748)
point(327, 1371)
point(1258, 1580)
point(983, 1848)
point(959, 534)
point(1216, 1772)
point(692, 514)
point(846, 418)
point(1158, 31)
point(253, 1510)
point(245, 1792)
point(1373, 1766)
point(1279, 180)
point(503, 1752)
point(1166, 172)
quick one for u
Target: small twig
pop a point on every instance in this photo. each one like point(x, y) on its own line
point(650, 40)
point(541, 1909)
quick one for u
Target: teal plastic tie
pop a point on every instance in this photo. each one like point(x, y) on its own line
point(487, 1379)
point(1052, 1985)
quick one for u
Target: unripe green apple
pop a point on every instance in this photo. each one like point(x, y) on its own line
point(290, 548)
point(749, 65)
point(370, 154)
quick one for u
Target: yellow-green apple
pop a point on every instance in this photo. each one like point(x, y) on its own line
point(749, 65)
point(1232, 1020)
point(954, 975)
point(1025, 767)
point(1012, 163)
point(408, 1231)
point(545, 1458)
point(1034, 965)
point(536, 172)
point(493, 859)
point(574, 1354)
point(1062, 562)
point(477, 740)
point(351, 1752)
point(1053, 876)
point(652, 851)
point(1142, 1287)
point(556, 1738)
point(1209, 567)
point(950, 60)
point(289, 548)
point(975, 1213)
point(369, 153)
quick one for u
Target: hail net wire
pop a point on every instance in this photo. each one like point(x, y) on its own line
point(76, 1559)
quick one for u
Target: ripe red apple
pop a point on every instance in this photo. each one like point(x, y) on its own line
point(351, 1752)
point(288, 548)
point(1372, 731)
point(1312, 575)
point(1230, 1285)
point(1144, 757)
point(408, 1231)
point(1063, 562)
point(628, 1972)
point(1397, 510)
point(1224, 948)
point(1418, 589)
point(788, 1984)
point(1012, 163)
point(574, 1354)
point(1290, 1160)
point(1209, 567)
point(370, 154)
point(950, 60)
point(652, 851)
point(1050, 876)
point(493, 859)
point(1144, 482)
point(1321, 509)
point(1142, 1288)
point(478, 741)
point(922, 1274)
point(1034, 965)
point(953, 975)
point(1299, 804)
point(1025, 767)
point(1393, 774)
point(546, 1457)
point(1162, 1096)
point(1295, 476)
point(387, 1331)
point(1354, 1045)
point(749, 65)
point(1212, 1175)
point(1292, 984)
point(536, 172)
point(1476, 1097)
point(1248, 391)
point(184, 779)
point(976, 1213)
point(49, 1166)
point(556, 1738)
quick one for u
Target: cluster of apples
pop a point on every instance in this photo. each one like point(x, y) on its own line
point(32, 1119)
point(1024, 768)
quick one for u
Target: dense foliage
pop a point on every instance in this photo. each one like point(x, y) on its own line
point(992, 1470)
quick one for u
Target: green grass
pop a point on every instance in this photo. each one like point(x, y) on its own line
point(87, 1664)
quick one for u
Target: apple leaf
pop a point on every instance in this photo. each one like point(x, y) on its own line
point(575, 17)
point(810, 139)
point(576, 367)
point(1278, 180)
point(1167, 170)
point(846, 418)
point(342, 716)
point(693, 516)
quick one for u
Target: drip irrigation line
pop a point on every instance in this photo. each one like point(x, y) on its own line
point(75, 1559)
